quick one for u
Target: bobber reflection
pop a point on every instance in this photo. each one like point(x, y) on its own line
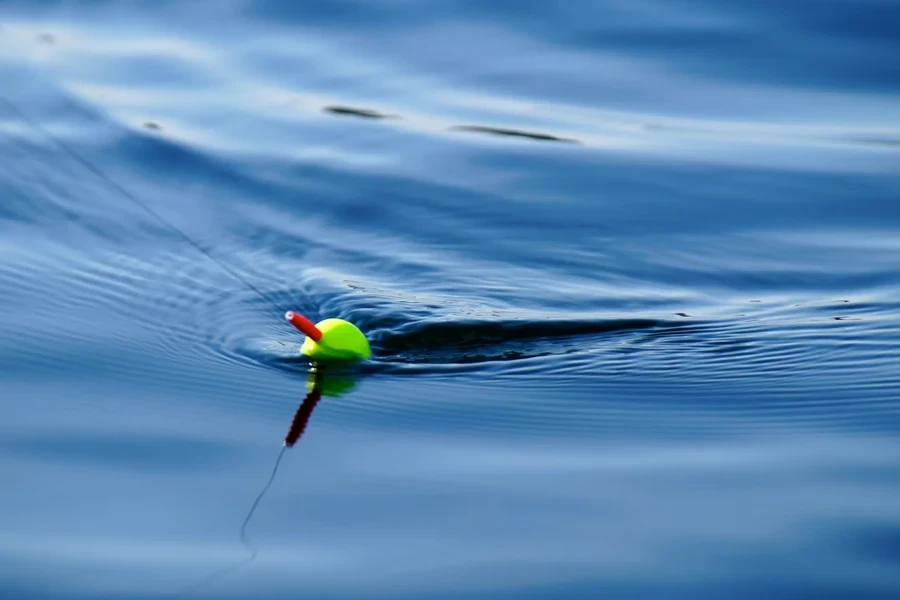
point(321, 382)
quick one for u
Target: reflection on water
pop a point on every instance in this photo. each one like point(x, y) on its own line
point(322, 381)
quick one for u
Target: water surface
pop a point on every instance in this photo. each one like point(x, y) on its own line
point(630, 272)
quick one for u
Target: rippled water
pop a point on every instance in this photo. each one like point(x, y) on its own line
point(630, 271)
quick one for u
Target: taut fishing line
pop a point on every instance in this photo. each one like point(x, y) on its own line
point(90, 166)
point(332, 339)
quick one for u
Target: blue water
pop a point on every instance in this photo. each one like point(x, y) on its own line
point(631, 272)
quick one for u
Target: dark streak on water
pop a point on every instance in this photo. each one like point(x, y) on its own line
point(365, 113)
point(541, 137)
point(661, 362)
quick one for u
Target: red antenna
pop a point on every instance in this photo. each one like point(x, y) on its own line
point(304, 325)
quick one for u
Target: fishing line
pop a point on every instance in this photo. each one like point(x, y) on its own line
point(87, 164)
point(245, 540)
point(295, 432)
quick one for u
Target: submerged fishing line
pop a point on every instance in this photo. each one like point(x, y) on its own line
point(245, 540)
point(90, 166)
point(295, 432)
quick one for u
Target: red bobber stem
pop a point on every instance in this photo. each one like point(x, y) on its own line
point(304, 325)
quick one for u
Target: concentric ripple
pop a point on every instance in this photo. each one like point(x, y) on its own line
point(455, 284)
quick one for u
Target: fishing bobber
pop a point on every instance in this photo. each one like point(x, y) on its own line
point(331, 339)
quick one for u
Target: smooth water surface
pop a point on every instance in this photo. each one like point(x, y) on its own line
point(630, 270)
